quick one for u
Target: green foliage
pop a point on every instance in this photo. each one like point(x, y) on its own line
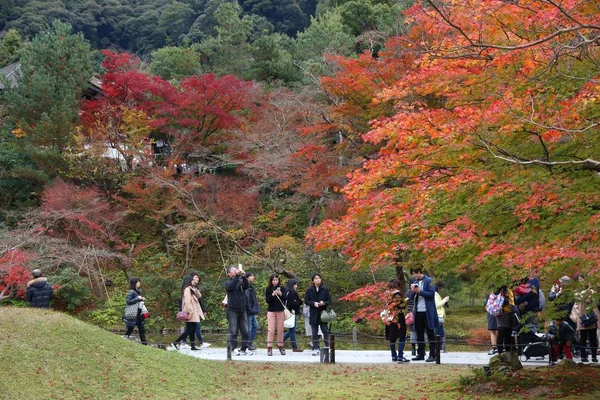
point(11, 45)
point(44, 107)
point(286, 15)
point(273, 59)
point(72, 287)
point(111, 313)
point(175, 62)
point(233, 31)
point(325, 35)
point(20, 181)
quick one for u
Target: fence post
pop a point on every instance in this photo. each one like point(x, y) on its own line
point(354, 338)
point(438, 345)
point(332, 348)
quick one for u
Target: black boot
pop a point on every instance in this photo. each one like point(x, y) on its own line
point(194, 346)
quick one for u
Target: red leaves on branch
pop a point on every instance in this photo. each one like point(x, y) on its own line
point(14, 272)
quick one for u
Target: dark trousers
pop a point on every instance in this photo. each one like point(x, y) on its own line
point(190, 330)
point(421, 326)
point(505, 340)
point(315, 335)
point(140, 326)
point(238, 321)
point(586, 335)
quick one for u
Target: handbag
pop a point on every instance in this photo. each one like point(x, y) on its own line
point(588, 319)
point(290, 322)
point(131, 311)
point(287, 314)
point(328, 316)
point(183, 315)
point(409, 318)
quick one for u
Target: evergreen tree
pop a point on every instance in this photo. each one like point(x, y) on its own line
point(44, 107)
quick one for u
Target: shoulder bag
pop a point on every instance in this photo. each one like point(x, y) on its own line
point(287, 314)
point(131, 311)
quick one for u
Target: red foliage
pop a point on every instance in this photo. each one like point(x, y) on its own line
point(14, 272)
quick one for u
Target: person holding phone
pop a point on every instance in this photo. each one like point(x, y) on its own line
point(425, 314)
point(275, 297)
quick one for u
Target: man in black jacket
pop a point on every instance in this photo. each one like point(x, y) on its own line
point(252, 309)
point(236, 286)
point(39, 292)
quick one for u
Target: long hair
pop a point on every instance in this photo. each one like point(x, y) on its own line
point(273, 276)
point(395, 285)
point(187, 282)
point(133, 282)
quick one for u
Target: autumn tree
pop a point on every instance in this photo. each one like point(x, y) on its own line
point(488, 167)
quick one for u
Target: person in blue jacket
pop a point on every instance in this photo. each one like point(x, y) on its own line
point(422, 290)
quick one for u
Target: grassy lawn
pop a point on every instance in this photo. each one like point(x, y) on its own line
point(51, 355)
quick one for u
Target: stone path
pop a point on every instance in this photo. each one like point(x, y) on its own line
point(347, 357)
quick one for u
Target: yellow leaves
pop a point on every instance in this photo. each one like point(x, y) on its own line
point(18, 132)
point(284, 242)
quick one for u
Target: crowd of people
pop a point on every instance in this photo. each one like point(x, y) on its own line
point(571, 330)
point(242, 309)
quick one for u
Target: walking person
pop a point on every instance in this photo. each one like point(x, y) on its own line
point(425, 315)
point(318, 299)
point(252, 309)
point(39, 292)
point(293, 304)
point(440, 304)
point(236, 286)
point(134, 296)
point(275, 297)
point(395, 324)
point(492, 326)
point(196, 284)
point(190, 304)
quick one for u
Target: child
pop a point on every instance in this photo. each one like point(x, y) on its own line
point(561, 335)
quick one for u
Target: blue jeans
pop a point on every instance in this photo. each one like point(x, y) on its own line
point(252, 328)
point(291, 333)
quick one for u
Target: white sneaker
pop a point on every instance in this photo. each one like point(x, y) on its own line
point(316, 352)
point(185, 346)
point(237, 352)
point(205, 345)
point(243, 353)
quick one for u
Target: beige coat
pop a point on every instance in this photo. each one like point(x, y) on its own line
point(191, 304)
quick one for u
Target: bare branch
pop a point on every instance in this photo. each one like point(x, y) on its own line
point(588, 163)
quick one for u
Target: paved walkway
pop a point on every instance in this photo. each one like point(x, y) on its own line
point(347, 357)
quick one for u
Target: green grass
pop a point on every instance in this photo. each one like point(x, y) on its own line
point(52, 355)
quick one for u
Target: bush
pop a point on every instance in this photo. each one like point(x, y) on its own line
point(72, 288)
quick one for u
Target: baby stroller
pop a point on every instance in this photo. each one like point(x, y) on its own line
point(532, 344)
